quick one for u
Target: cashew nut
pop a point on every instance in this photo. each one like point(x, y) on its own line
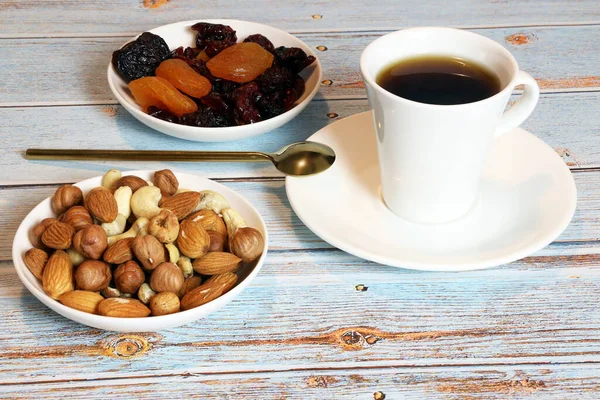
point(110, 178)
point(144, 202)
point(123, 197)
point(110, 292)
point(75, 256)
point(145, 293)
point(116, 227)
point(173, 253)
point(212, 200)
point(181, 190)
point(139, 227)
point(233, 221)
point(185, 264)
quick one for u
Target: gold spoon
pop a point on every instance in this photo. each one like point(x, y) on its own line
point(296, 159)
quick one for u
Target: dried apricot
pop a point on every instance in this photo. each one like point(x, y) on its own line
point(156, 91)
point(240, 63)
point(184, 78)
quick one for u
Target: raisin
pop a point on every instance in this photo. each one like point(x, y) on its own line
point(275, 78)
point(271, 104)
point(299, 85)
point(293, 58)
point(163, 114)
point(217, 103)
point(245, 110)
point(184, 78)
point(213, 37)
point(214, 47)
point(240, 63)
point(206, 117)
point(262, 41)
point(141, 57)
point(156, 91)
point(188, 52)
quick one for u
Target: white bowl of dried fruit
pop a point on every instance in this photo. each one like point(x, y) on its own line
point(140, 251)
point(214, 80)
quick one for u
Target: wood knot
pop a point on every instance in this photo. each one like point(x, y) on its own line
point(317, 16)
point(111, 111)
point(378, 396)
point(519, 39)
point(357, 339)
point(327, 82)
point(332, 115)
point(322, 48)
point(155, 3)
point(127, 346)
point(320, 381)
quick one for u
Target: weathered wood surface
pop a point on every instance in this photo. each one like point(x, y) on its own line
point(539, 51)
point(569, 122)
point(288, 233)
point(497, 382)
point(49, 17)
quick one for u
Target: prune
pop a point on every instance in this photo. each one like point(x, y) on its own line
point(205, 117)
point(293, 58)
point(275, 78)
point(271, 104)
point(184, 78)
point(245, 110)
point(163, 114)
point(213, 37)
point(140, 57)
point(155, 91)
point(299, 85)
point(262, 41)
point(240, 63)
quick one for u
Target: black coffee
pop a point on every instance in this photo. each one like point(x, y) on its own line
point(439, 80)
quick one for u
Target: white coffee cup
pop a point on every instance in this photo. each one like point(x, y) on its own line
point(432, 156)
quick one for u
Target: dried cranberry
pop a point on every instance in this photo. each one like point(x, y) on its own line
point(217, 103)
point(187, 52)
point(163, 114)
point(214, 47)
point(213, 33)
point(206, 117)
point(275, 78)
point(293, 58)
point(261, 40)
point(141, 57)
point(201, 68)
point(245, 110)
point(271, 104)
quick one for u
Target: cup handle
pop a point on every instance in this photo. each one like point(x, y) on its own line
point(519, 111)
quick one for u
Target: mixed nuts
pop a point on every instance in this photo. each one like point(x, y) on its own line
point(132, 248)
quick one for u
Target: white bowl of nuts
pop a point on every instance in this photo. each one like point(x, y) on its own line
point(140, 251)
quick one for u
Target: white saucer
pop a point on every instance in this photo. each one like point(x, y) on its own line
point(527, 199)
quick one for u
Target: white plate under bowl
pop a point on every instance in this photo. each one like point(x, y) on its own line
point(43, 210)
point(527, 199)
point(180, 34)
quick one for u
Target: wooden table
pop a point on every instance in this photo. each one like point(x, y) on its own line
point(530, 329)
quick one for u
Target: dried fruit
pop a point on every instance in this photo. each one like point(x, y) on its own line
point(193, 241)
point(164, 226)
point(82, 300)
point(35, 235)
point(123, 308)
point(167, 277)
point(262, 41)
point(216, 263)
point(134, 182)
point(149, 251)
point(57, 278)
point(78, 217)
point(182, 204)
point(293, 58)
point(35, 260)
point(101, 203)
point(275, 79)
point(164, 303)
point(93, 275)
point(240, 63)
point(58, 236)
point(141, 57)
point(119, 252)
point(91, 241)
point(214, 287)
point(156, 91)
point(246, 110)
point(206, 117)
point(162, 114)
point(166, 181)
point(66, 197)
point(247, 243)
point(129, 277)
point(213, 38)
point(184, 78)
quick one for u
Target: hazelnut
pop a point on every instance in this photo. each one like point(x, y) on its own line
point(149, 251)
point(134, 182)
point(35, 260)
point(167, 277)
point(164, 226)
point(164, 303)
point(129, 277)
point(77, 216)
point(91, 241)
point(190, 283)
point(66, 197)
point(193, 241)
point(35, 235)
point(247, 243)
point(217, 241)
point(166, 182)
point(92, 275)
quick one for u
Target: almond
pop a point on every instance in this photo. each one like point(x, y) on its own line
point(164, 303)
point(82, 300)
point(213, 288)
point(134, 182)
point(166, 181)
point(58, 236)
point(66, 197)
point(216, 262)
point(119, 252)
point(123, 308)
point(57, 278)
point(190, 283)
point(101, 203)
point(182, 204)
point(167, 277)
point(78, 217)
point(35, 260)
point(209, 220)
point(193, 240)
point(35, 235)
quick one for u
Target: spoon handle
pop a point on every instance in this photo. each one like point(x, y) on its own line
point(145, 155)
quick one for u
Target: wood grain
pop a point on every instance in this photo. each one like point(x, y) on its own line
point(48, 17)
point(542, 54)
point(498, 382)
